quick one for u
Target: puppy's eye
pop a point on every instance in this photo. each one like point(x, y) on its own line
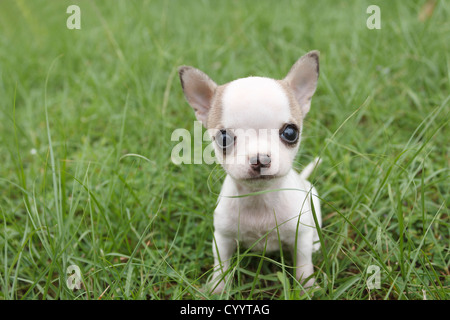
point(289, 133)
point(225, 139)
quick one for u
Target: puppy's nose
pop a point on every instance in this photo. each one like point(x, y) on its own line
point(260, 161)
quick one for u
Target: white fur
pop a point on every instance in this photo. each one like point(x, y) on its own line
point(254, 102)
point(256, 110)
point(276, 216)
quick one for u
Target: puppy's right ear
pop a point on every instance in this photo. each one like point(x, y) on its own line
point(302, 79)
point(199, 91)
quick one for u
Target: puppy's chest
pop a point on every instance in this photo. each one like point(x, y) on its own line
point(261, 223)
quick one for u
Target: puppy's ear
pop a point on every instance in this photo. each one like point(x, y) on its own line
point(199, 91)
point(302, 79)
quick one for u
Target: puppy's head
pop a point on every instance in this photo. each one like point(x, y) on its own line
point(255, 123)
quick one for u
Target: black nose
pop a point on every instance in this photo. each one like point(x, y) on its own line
point(260, 161)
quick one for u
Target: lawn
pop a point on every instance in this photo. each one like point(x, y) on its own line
point(86, 177)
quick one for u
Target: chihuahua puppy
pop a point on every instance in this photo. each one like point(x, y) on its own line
point(255, 124)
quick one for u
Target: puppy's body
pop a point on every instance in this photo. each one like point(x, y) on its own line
point(266, 220)
point(256, 124)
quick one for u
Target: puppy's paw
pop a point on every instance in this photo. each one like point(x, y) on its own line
point(309, 287)
point(310, 283)
point(215, 287)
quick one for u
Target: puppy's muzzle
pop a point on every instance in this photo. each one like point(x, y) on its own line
point(260, 161)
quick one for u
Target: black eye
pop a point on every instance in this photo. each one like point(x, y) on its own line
point(289, 133)
point(224, 139)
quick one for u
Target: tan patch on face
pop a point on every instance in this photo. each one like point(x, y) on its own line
point(294, 107)
point(215, 113)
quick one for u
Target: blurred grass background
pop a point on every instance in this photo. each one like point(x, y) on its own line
point(87, 115)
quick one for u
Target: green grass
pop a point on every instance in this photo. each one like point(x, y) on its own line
point(85, 125)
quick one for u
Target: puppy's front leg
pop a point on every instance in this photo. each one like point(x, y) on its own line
point(223, 248)
point(304, 265)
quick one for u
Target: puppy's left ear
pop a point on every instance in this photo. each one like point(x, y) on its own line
point(199, 91)
point(302, 79)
